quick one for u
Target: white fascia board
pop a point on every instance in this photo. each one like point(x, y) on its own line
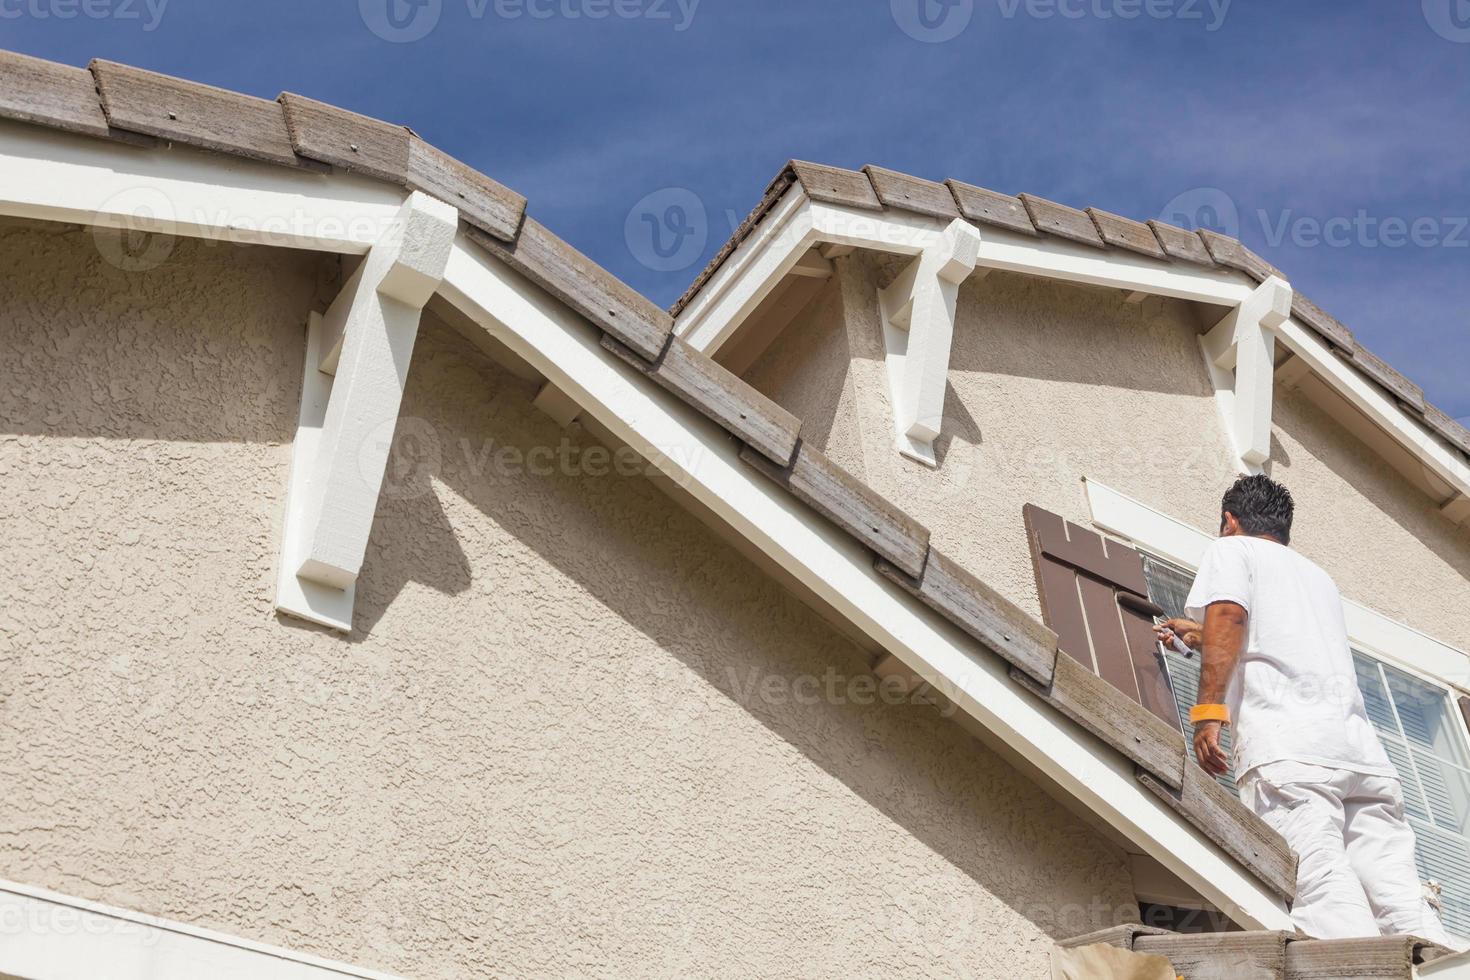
point(704, 460)
point(1056, 258)
point(1375, 633)
point(749, 274)
point(1381, 409)
point(175, 190)
point(56, 937)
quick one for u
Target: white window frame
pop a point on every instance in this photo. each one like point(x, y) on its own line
point(1398, 644)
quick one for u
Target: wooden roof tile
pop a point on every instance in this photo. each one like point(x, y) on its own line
point(1230, 252)
point(59, 96)
point(850, 504)
point(195, 115)
point(1222, 818)
point(356, 143)
point(1011, 633)
point(833, 185)
point(1178, 243)
point(583, 285)
point(898, 190)
point(1121, 232)
point(1112, 716)
point(1058, 219)
point(484, 203)
point(1314, 317)
point(991, 207)
point(746, 413)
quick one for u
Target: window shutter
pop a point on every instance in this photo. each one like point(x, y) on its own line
point(1095, 597)
point(1465, 710)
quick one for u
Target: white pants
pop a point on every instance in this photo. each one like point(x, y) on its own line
point(1356, 875)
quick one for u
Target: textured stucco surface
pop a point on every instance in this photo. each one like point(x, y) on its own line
point(570, 735)
point(1050, 384)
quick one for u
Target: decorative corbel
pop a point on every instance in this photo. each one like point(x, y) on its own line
point(1240, 353)
point(357, 361)
point(918, 311)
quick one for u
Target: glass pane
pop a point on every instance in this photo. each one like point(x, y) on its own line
point(1168, 586)
point(1398, 754)
point(1427, 715)
point(1375, 697)
point(1445, 858)
point(1447, 790)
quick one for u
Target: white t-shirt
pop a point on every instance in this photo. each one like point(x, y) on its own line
point(1294, 695)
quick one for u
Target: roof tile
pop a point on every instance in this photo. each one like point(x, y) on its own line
point(196, 115)
point(1455, 433)
point(850, 504)
point(1181, 244)
point(1230, 252)
point(898, 190)
point(583, 285)
point(1058, 219)
point(1014, 635)
point(991, 208)
point(1322, 322)
point(1401, 387)
point(59, 96)
point(345, 139)
point(1121, 232)
point(832, 185)
point(486, 204)
point(746, 413)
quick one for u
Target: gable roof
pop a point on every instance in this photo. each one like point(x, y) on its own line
point(133, 108)
point(877, 189)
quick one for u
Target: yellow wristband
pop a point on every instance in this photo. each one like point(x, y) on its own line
point(1209, 712)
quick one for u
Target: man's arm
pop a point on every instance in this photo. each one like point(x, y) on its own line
point(1225, 633)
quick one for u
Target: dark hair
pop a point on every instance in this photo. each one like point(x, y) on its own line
point(1261, 505)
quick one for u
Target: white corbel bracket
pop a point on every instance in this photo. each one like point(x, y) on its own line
point(918, 311)
point(357, 358)
point(1240, 354)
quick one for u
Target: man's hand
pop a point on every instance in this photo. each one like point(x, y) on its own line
point(1192, 633)
point(1212, 758)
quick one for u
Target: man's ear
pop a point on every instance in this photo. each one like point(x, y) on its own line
point(1229, 525)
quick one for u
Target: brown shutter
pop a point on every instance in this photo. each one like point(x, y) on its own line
point(1095, 596)
point(1465, 710)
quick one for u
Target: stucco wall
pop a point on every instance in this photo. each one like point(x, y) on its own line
point(569, 735)
point(1051, 384)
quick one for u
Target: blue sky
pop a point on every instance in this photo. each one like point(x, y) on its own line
point(1334, 135)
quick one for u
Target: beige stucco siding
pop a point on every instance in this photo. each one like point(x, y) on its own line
point(571, 734)
point(1052, 384)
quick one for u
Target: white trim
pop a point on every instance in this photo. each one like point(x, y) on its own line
point(365, 342)
point(58, 176)
point(1369, 399)
point(1240, 355)
point(1400, 644)
point(700, 457)
point(48, 936)
point(918, 312)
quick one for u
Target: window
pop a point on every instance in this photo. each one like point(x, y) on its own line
point(1168, 586)
point(1420, 728)
point(1425, 738)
